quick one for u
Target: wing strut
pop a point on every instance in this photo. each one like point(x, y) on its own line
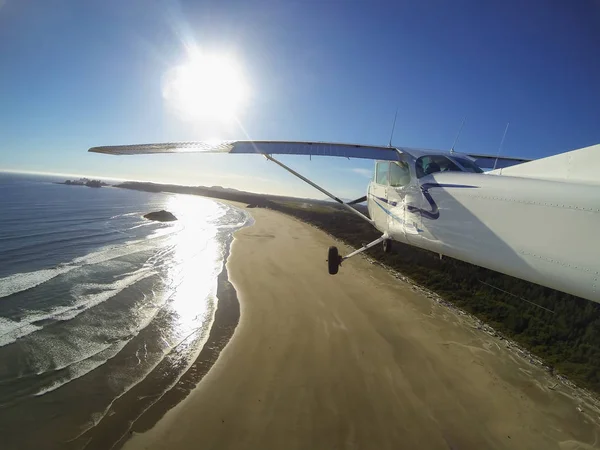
point(316, 186)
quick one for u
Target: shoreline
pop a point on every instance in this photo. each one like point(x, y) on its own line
point(113, 431)
point(226, 320)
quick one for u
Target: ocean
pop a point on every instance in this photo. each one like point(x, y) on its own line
point(102, 312)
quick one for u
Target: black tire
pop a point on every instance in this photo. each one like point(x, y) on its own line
point(387, 245)
point(333, 260)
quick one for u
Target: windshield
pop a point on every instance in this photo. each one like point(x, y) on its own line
point(429, 164)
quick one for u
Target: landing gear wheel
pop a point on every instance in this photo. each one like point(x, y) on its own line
point(387, 245)
point(333, 260)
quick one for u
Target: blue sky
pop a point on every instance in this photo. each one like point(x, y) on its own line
point(78, 74)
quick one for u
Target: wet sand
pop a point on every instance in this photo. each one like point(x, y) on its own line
point(358, 360)
point(131, 414)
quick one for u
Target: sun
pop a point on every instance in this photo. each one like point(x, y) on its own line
point(208, 86)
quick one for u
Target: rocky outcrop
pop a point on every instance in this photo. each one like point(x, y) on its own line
point(85, 182)
point(160, 216)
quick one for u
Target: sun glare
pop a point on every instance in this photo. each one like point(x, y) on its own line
point(207, 86)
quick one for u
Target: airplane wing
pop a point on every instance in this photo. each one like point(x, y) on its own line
point(257, 147)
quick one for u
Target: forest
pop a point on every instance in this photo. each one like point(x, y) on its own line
point(561, 329)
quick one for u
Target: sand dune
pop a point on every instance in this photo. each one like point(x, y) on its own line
point(357, 360)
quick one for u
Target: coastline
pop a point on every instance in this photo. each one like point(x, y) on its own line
point(132, 416)
point(361, 359)
point(475, 287)
point(226, 319)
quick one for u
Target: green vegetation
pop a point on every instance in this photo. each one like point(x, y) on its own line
point(568, 340)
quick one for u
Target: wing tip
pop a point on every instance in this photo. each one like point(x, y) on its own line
point(99, 150)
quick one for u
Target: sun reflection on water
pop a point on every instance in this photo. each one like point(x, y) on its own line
point(196, 261)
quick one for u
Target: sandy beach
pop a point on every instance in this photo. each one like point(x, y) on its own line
point(358, 360)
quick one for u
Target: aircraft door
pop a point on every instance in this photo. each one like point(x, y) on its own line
point(404, 221)
point(378, 207)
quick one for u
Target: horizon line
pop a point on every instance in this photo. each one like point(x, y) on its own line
point(102, 178)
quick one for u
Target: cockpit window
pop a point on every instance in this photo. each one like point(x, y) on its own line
point(429, 164)
point(467, 164)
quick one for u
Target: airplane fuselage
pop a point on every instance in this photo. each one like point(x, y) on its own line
point(538, 230)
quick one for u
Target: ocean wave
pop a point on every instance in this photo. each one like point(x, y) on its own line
point(113, 252)
point(82, 358)
point(57, 360)
point(86, 300)
point(85, 366)
point(40, 247)
point(11, 330)
point(143, 224)
point(118, 216)
point(58, 368)
point(103, 354)
point(45, 233)
point(20, 282)
point(234, 225)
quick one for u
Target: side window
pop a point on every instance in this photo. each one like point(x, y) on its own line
point(381, 173)
point(427, 165)
point(420, 165)
point(468, 165)
point(399, 174)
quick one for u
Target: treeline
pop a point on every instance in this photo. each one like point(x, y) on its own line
point(568, 338)
point(214, 192)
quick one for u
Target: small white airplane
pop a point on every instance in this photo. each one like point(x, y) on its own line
point(537, 220)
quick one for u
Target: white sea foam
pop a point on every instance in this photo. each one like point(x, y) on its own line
point(86, 300)
point(11, 330)
point(118, 216)
point(22, 281)
point(143, 224)
point(81, 368)
point(82, 358)
point(89, 362)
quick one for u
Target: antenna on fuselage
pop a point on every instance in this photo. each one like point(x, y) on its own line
point(393, 128)
point(457, 136)
point(501, 143)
